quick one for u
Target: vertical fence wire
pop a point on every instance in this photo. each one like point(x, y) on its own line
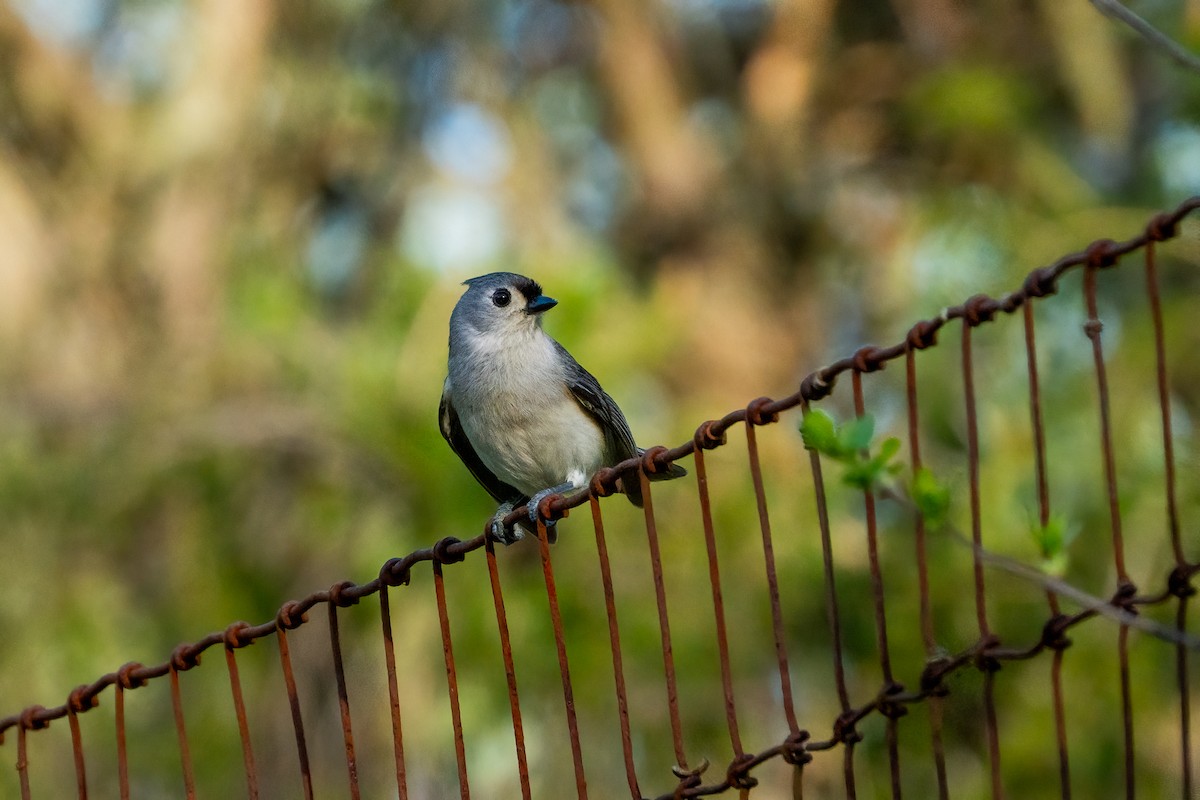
point(714, 577)
point(81, 787)
point(985, 634)
point(460, 748)
point(510, 670)
point(614, 639)
point(1043, 498)
point(389, 657)
point(1179, 582)
point(563, 665)
point(122, 752)
point(239, 705)
point(777, 626)
point(289, 679)
point(185, 754)
point(844, 731)
point(664, 626)
point(925, 608)
point(339, 671)
point(1125, 589)
point(23, 762)
point(890, 687)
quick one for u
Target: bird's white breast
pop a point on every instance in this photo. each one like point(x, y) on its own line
point(524, 423)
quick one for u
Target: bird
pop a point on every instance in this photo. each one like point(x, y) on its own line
point(519, 411)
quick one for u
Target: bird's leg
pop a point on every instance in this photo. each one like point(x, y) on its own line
point(574, 481)
point(502, 534)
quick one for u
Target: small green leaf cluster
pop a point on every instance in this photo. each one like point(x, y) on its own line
point(931, 496)
point(1052, 541)
point(849, 443)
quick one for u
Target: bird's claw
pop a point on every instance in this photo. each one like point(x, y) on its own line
point(505, 534)
point(536, 501)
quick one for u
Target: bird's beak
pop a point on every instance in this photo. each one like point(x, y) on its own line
point(539, 304)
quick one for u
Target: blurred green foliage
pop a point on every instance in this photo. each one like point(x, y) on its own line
point(232, 236)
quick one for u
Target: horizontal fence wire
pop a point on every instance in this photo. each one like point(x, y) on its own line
point(798, 744)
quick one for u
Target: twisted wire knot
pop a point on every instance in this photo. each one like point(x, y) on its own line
point(81, 699)
point(815, 387)
point(887, 702)
point(1040, 283)
point(923, 334)
point(548, 511)
point(654, 461)
point(235, 635)
point(1162, 227)
point(1125, 596)
point(442, 553)
point(1054, 633)
point(30, 720)
point(604, 482)
point(289, 617)
point(184, 657)
point(795, 749)
point(984, 660)
point(844, 730)
point(738, 775)
point(126, 678)
point(710, 435)
point(398, 571)
point(979, 309)
point(868, 359)
point(1101, 253)
point(688, 778)
point(758, 412)
point(1179, 583)
point(338, 594)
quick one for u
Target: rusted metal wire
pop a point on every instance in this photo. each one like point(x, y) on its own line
point(1043, 495)
point(564, 669)
point(389, 657)
point(890, 686)
point(614, 639)
point(925, 609)
point(797, 746)
point(460, 747)
point(510, 670)
point(1180, 587)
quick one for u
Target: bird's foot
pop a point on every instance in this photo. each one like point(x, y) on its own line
point(537, 499)
point(509, 534)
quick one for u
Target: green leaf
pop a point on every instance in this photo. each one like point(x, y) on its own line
point(861, 475)
point(1052, 540)
point(856, 434)
point(931, 497)
point(819, 432)
point(889, 448)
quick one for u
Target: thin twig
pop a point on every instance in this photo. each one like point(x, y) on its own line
point(1051, 583)
point(1172, 49)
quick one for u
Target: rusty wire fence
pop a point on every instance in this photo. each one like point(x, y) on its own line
point(913, 699)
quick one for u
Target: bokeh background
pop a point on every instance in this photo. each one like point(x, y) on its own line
point(231, 234)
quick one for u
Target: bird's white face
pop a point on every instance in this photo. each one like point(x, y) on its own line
point(501, 305)
point(504, 308)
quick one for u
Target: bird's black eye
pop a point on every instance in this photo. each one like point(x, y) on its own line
point(501, 297)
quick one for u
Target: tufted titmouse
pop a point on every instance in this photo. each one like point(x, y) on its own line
point(519, 411)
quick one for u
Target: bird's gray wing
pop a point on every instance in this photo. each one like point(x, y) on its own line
point(456, 437)
point(618, 439)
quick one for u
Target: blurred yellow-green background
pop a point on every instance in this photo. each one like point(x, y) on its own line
point(232, 232)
